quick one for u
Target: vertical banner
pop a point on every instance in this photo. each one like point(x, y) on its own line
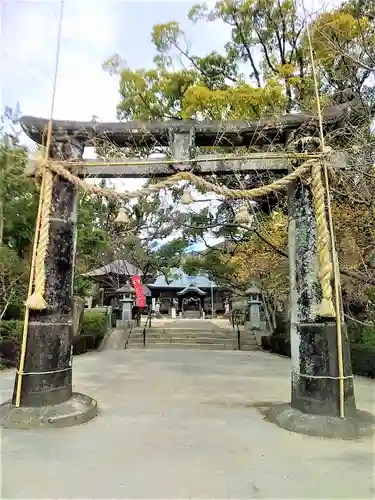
point(139, 292)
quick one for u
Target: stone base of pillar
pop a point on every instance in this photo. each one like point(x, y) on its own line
point(362, 424)
point(315, 384)
point(315, 403)
point(75, 411)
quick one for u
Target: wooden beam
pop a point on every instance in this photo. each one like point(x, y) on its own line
point(157, 169)
point(269, 130)
point(134, 168)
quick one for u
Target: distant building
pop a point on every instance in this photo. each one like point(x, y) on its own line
point(107, 280)
point(189, 295)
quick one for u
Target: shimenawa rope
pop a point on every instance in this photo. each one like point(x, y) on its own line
point(36, 300)
point(326, 309)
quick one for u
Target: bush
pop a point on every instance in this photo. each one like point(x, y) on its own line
point(94, 328)
point(362, 356)
point(10, 342)
point(278, 344)
point(266, 345)
point(94, 323)
point(14, 277)
point(360, 333)
point(93, 331)
point(363, 360)
point(11, 329)
point(368, 336)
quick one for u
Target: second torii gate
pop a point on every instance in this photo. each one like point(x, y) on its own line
point(45, 394)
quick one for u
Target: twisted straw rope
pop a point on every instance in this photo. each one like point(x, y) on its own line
point(278, 185)
point(37, 301)
point(326, 308)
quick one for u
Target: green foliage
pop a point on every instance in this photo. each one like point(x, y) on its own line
point(264, 70)
point(149, 240)
point(362, 356)
point(11, 329)
point(13, 281)
point(268, 41)
point(18, 198)
point(94, 328)
point(368, 336)
point(343, 41)
point(94, 323)
point(93, 331)
point(278, 344)
point(81, 285)
point(10, 342)
point(359, 333)
point(153, 94)
point(213, 265)
point(94, 218)
point(363, 359)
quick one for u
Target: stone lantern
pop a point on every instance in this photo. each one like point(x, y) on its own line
point(254, 303)
point(127, 300)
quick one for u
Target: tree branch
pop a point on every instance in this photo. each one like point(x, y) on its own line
point(247, 49)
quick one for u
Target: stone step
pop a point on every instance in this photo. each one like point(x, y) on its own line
point(203, 335)
point(173, 345)
point(182, 330)
point(214, 347)
point(191, 342)
point(170, 333)
point(167, 338)
point(198, 340)
point(190, 331)
point(183, 341)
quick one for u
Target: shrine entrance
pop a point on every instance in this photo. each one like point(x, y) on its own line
point(44, 374)
point(191, 302)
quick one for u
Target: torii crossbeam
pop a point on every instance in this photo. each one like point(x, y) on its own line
point(267, 139)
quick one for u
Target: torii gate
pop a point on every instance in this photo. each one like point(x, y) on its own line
point(45, 390)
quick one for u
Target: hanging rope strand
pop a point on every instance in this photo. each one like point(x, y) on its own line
point(36, 300)
point(326, 308)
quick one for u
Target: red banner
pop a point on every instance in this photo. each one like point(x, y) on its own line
point(139, 292)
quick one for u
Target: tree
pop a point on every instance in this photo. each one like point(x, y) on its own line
point(18, 194)
point(13, 282)
point(264, 70)
point(344, 44)
point(150, 239)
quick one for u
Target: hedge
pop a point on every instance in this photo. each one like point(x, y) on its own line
point(277, 344)
point(94, 328)
point(363, 356)
point(363, 359)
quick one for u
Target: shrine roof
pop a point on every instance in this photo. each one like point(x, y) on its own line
point(117, 267)
point(206, 133)
point(191, 288)
point(182, 280)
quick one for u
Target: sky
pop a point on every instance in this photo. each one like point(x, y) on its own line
point(92, 31)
